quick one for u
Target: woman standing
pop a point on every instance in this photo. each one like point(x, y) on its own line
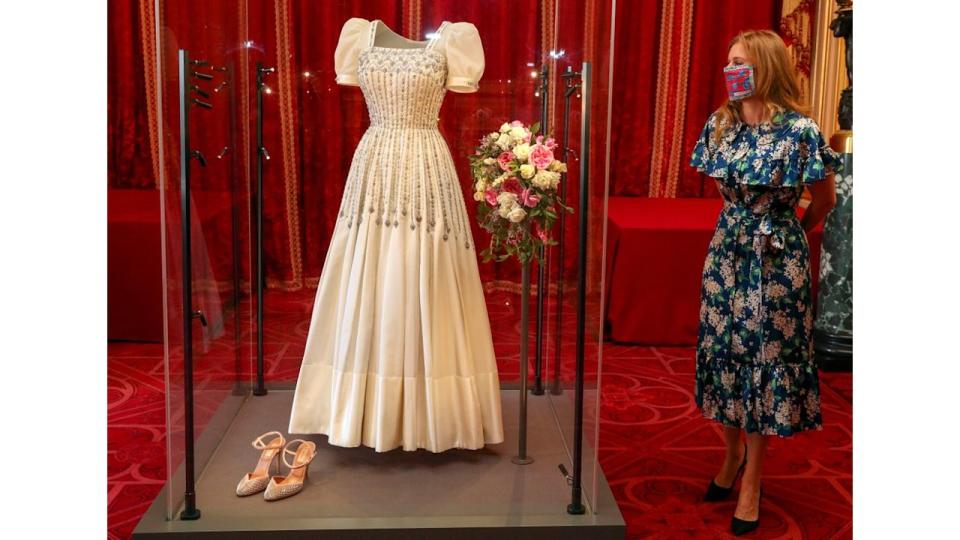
point(755, 370)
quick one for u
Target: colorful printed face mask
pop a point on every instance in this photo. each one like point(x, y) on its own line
point(739, 81)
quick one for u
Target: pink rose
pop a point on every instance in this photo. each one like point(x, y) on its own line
point(541, 156)
point(540, 233)
point(512, 185)
point(550, 143)
point(504, 160)
point(491, 196)
point(529, 198)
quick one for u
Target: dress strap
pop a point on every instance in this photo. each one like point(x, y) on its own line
point(438, 34)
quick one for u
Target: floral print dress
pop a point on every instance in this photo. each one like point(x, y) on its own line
point(755, 365)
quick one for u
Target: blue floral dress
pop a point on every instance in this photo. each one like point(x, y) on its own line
point(755, 365)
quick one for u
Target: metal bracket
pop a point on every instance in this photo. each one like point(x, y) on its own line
point(566, 474)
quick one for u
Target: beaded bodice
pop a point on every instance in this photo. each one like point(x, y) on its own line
point(403, 174)
point(403, 88)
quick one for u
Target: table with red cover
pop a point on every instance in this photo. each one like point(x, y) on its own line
point(134, 269)
point(655, 253)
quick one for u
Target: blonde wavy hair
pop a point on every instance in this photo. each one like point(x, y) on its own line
point(774, 78)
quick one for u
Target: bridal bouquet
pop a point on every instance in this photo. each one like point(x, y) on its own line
point(515, 181)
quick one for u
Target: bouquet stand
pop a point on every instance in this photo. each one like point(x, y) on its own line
point(522, 458)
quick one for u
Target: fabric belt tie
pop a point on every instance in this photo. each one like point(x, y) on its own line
point(767, 230)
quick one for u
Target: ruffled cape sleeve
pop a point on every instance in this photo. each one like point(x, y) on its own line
point(788, 156)
point(816, 159)
point(706, 157)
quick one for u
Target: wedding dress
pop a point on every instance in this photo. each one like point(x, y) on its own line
point(399, 351)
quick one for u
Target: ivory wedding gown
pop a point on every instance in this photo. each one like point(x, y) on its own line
point(399, 351)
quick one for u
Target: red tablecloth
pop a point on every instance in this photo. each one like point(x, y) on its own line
point(134, 270)
point(655, 254)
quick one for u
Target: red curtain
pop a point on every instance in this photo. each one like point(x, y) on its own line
point(668, 58)
point(129, 160)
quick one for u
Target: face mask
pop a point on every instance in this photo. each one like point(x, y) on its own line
point(739, 81)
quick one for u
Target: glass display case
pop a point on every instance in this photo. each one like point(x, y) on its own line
point(254, 130)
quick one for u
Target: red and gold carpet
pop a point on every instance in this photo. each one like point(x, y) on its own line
point(656, 451)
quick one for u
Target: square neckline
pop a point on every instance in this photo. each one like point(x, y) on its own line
point(426, 43)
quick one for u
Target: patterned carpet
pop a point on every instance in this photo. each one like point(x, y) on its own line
point(658, 454)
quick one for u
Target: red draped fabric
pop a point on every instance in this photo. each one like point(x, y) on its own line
point(129, 160)
point(668, 58)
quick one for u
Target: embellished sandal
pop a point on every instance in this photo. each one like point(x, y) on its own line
point(256, 481)
point(280, 487)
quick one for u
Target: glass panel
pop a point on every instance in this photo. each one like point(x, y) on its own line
point(581, 35)
point(311, 129)
point(220, 229)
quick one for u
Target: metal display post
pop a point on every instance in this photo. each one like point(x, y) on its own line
point(522, 458)
point(190, 511)
point(576, 504)
point(260, 389)
point(572, 86)
point(542, 263)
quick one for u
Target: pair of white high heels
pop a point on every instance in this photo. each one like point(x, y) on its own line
point(278, 487)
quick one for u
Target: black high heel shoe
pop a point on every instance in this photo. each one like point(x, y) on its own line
point(716, 493)
point(740, 527)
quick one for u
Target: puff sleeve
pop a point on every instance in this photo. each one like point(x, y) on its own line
point(465, 60)
point(347, 55)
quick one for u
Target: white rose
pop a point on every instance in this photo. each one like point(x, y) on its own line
point(557, 166)
point(489, 161)
point(518, 133)
point(554, 179)
point(507, 202)
point(504, 141)
point(546, 179)
point(505, 127)
point(493, 135)
point(481, 185)
point(478, 195)
point(522, 151)
point(527, 171)
point(516, 215)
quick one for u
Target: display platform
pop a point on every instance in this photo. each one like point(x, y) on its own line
point(356, 493)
